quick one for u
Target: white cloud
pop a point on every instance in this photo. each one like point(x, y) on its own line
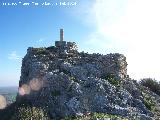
point(83, 12)
point(41, 40)
point(13, 56)
point(130, 27)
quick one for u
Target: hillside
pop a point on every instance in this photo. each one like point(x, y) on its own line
point(59, 82)
point(9, 93)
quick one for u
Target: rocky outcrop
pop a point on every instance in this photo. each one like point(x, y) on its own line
point(71, 83)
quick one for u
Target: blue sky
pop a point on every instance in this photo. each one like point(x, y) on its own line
point(22, 27)
point(128, 27)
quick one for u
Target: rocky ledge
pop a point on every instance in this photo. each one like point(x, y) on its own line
point(68, 83)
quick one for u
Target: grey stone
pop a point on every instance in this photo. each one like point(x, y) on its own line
point(74, 83)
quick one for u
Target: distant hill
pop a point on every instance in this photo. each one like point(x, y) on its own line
point(8, 89)
point(9, 93)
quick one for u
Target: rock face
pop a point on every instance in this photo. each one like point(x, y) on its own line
point(71, 83)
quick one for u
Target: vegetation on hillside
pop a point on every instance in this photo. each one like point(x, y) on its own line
point(152, 84)
point(112, 80)
point(23, 110)
point(150, 89)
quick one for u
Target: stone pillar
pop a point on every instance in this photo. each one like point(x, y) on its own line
point(61, 35)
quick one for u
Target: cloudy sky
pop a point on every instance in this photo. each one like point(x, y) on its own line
point(130, 27)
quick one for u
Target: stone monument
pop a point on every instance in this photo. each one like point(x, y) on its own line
point(61, 44)
point(64, 47)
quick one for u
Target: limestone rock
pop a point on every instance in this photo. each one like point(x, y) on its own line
point(71, 83)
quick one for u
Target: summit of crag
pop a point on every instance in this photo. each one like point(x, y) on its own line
point(68, 84)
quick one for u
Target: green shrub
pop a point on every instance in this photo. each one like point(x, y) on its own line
point(96, 116)
point(23, 110)
point(30, 113)
point(41, 51)
point(152, 84)
point(112, 80)
point(148, 104)
point(148, 101)
point(73, 79)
